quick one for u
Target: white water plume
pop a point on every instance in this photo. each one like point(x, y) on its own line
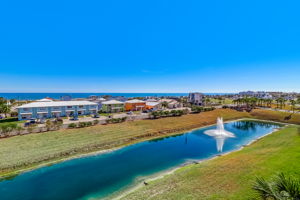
point(220, 134)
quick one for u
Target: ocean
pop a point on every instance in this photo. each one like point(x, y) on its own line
point(35, 96)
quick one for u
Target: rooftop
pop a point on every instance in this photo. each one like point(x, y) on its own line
point(112, 102)
point(56, 103)
point(151, 103)
point(135, 101)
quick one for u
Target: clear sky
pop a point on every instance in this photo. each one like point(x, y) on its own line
point(149, 46)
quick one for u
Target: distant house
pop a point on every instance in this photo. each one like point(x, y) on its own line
point(196, 98)
point(153, 105)
point(135, 105)
point(259, 94)
point(98, 100)
point(112, 106)
point(151, 100)
point(118, 98)
point(171, 103)
point(66, 98)
point(47, 108)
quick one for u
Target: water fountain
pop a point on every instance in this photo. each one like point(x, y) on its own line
point(220, 134)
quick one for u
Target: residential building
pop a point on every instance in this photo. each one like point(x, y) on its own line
point(153, 105)
point(171, 103)
point(46, 108)
point(196, 98)
point(98, 100)
point(66, 98)
point(112, 106)
point(135, 105)
point(259, 94)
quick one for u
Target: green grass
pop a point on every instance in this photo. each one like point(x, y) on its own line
point(275, 116)
point(27, 151)
point(226, 101)
point(230, 176)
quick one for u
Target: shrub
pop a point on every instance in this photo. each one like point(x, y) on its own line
point(197, 109)
point(82, 124)
point(116, 120)
point(185, 111)
point(10, 119)
point(88, 123)
point(31, 127)
point(6, 128)
point(72, 125)
point(96, 122)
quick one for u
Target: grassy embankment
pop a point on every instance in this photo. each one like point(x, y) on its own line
point(27, 151)
point(230, 176)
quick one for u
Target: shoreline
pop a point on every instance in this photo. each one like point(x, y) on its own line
point(96, 153)
point(162, 174)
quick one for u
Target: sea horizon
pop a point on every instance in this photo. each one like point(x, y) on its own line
point(40, 95)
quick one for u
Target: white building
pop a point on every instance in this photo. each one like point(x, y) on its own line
point(47, 108)
point(259, 94)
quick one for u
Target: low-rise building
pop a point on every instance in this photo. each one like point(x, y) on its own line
point(47, 108)
point(135, 105)
point(112, 106)
point(153, 105)
point(171, 103)
point(196, 98)
point(66, 98)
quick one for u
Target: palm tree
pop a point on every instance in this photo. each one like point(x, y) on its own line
point(4, 108)
point(206, 100)
point(164, 104)
point(293, 104)
point(280, 188)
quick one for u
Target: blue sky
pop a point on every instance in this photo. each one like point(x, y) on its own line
point(149, 46)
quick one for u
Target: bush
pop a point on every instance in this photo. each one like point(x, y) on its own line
point(96, 122)
point(6, 128)
point(116, 120)
point(10, 119)
point(31, 127)
point(81, 124)
point(197, 109)
point(88, 123)
point(72, 125)
point(208, 109)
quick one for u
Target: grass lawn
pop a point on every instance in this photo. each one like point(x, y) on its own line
point(226, 101)
point(230, 176)
point(275, 116)
point(29, 150)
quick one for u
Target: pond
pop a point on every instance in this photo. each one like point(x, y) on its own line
point(102, 175)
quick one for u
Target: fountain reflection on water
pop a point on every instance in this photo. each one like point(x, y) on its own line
point(220, 134)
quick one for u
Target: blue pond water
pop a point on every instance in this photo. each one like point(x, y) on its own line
point(102, 175)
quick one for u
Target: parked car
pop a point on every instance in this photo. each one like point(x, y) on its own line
point(96, 116)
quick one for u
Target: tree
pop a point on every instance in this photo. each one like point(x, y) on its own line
point(4, 108)
point(280, 188)
point(293, 104)
point(164, 104)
